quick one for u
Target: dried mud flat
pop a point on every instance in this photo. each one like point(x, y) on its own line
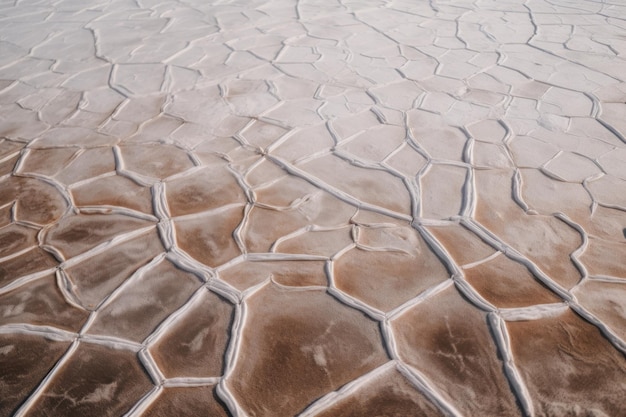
point(316, 208)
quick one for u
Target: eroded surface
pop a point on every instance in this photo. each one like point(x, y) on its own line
point(313, 207)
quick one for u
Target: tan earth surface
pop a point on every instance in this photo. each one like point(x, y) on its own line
point(316, 208)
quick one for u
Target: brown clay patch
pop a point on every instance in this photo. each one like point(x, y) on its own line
point(25, 360)
point(40, 303)
point(399, 266)
point(449, 341)
point(145, 302)
point(93, 282)
point(208, 237)
point(15, 237)
point(507, 284)
point(297, 346)
point(37, 201)
point(95, 381)
point(188, 401)
point(545, 240)
point(194, 345)
point(568, 366)
point(8, 166)
point(205, 190)
point(291, 273)
point(77, 234)
point(47, 161)
point(387, 279)
point(90, 163)
point(114, 191)
point(464, 246)
point(388, 395)
point(34, 260)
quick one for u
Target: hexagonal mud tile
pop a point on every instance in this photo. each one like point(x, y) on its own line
point(30, 262)
point(507, 284)
point(448, 340)
point(146, 300)
point(25, 360)
point(91, 283)
point(543, 239)
point(113, 190)
point(464, 246)
point(568, 366)
point(36, 200)
point(297, 346)
point(40, 302)
point(203, 190)
point(157, 161)
point(96, 380)
point(195, 344)
point(74, 235)
point(395, 266)
point(208, 237)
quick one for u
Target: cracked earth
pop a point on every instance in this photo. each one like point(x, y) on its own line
point(315, 208)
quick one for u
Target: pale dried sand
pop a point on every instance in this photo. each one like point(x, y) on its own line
point(316, 208)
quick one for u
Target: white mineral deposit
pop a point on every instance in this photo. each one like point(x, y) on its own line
point(320, 208)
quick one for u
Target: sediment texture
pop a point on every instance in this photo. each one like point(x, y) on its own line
point(316, 208)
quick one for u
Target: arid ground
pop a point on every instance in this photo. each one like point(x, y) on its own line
point(316, 208)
